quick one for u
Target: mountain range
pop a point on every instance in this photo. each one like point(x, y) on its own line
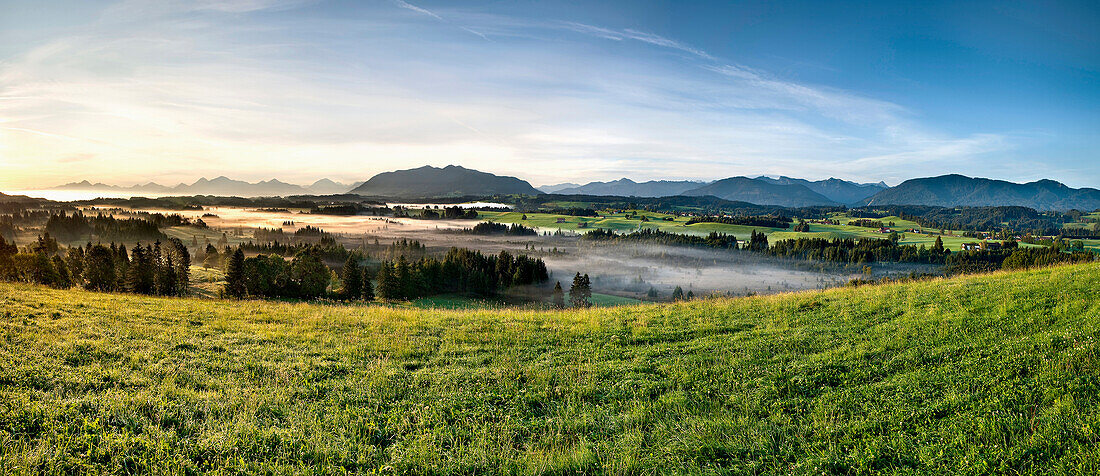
point(958, 190)
point(455, 181)
point(761, 192)
point(625, 187)
point(221, 186)
point(837, 190)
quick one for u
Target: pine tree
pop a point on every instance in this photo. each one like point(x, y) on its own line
point(234, 275)
point(504, 269)
point(938, 247)
point(183, 266)
point(678, 294)
point(580, 291)
point(587, 288)
point(404, 279)
point(368, 288)
point(387, 285)
point(351, 278)
point(99, 269)
point(166, 278)
point(558, 297)
point(64, 278)
point(74, 259)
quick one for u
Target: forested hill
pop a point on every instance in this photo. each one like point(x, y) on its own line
point(449, 181)
point(958, 190)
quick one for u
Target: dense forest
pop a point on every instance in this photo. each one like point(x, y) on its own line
point(162, 268)
point(493, 228)
point(658, 237)
point(764, 221)
point(460, 271)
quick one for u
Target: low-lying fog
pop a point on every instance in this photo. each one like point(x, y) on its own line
point(621, 269)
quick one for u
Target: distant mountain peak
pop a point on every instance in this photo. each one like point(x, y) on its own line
point(449, 181)
point(954, 190)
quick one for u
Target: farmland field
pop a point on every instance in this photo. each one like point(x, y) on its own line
point(620, 223)
point(977, 374)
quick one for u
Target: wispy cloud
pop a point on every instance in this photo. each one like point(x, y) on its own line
point(409, 6)
point(629, 34)
point(179, 94)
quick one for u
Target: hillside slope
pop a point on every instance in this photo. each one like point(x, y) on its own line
point(986, 374)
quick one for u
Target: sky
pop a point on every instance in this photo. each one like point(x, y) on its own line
point(133, 91)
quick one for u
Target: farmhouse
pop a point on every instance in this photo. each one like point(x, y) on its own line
point(981, 245)
point(560, 220)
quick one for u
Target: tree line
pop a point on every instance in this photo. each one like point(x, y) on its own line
point(764, 221)
point(460, 271)
point(655, 236)
point(145, 226)
point(493, 228)
point(863, 250)
point(161, 269)
point(306, 276)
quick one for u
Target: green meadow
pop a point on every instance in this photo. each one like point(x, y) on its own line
point(995, 373)
point(619, 222)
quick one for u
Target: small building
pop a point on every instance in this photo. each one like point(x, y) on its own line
point(560, 220)
point(970, 246)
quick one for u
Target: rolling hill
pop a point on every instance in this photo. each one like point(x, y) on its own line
point(959, 190)
point(760, 192)
point(449, 181)
point(982, 374)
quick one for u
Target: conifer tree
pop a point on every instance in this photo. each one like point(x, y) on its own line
point(387, 285)
point(234, 275)
point(559, 296)
point(74, 259)
point(351, 278)
point(64, 279)
point(580, 291)
point(368, 288)
point(99, 269)
point(678, 294)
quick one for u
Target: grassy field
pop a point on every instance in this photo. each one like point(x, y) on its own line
point(1085, 221)
point(985, 374)
point(618, 222)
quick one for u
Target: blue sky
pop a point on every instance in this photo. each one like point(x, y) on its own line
point(133, 91)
